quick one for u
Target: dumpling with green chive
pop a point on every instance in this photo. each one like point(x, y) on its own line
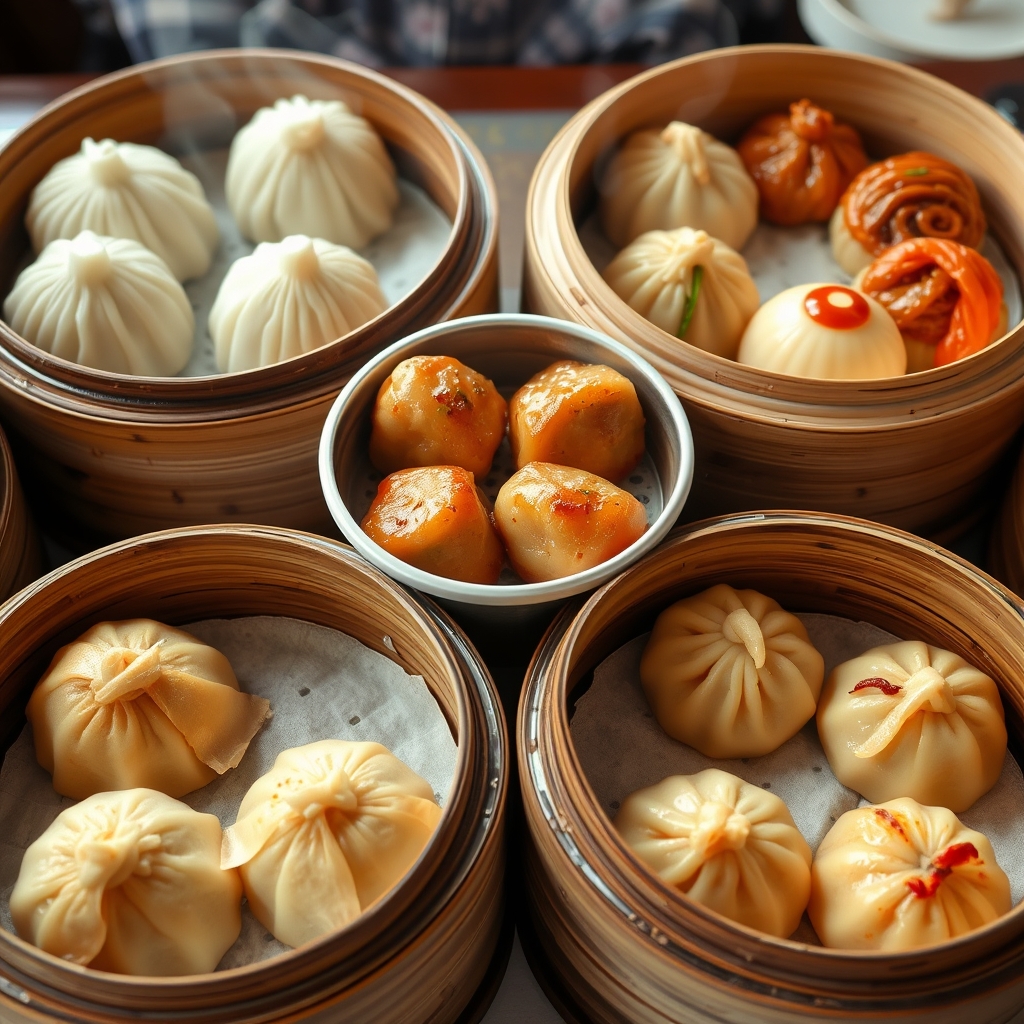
point(689, 284)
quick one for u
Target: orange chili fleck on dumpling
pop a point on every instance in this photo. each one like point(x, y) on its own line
point(436, 519)
point(582, 415)
point(433, 411)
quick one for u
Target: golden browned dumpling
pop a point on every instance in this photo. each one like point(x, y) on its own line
point(575, 414)
point(557, 521)
point(434, 411)
point(438, 520)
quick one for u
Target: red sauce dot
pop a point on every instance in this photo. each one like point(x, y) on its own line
point(878, 683)
point(836, 307)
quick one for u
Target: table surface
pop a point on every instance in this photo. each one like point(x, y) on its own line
point(511, 114)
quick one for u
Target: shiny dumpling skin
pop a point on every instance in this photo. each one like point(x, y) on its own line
point(140, 704)
point(310, 167)
point(939, 736)
point(901, 876)
point(848, 252)
point(436, 519)
point(130, 882)
point(654, 275)
point(583, 415)
point(557, 521)
point(124, 190)
point(731, 673)
point(106, 303)
point(289, 298)
point(728, 845)
point(331, 828)
point(678, 177)
point(436, 411)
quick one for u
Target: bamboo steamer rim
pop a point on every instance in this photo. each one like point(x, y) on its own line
point(76, 381)
point(443, 638)
point(714, 381)
point(543, 724)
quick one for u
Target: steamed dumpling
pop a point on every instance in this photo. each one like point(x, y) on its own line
point(138, 703)
point(689, 284)
point(127, 191)
point(310, 167)
point(728, 845)
point(289, 298)
point(679, 177)
point(330, 829)
point(107, 303)
point(731, 673)
point(130, 882)
point(908, 719)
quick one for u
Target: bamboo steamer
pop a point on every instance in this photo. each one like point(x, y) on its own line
point(915, 452)
point(20, 553)
point(123, 455)
point(621, 945)
point(1006, 543)
point(417, 955)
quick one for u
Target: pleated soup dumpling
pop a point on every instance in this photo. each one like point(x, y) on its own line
point(130, 882)
point(901, 876)
point(582, 415)
point(106, 303)
point(436, 519)
point(140, 704)
point(728, 845)
point(678, 177)
point(124, 190)
point(825, 331)
point(330, 829)
point(289, 298)
point(731, 673)
point(689, 284)
point(310, 167)
point(436, 411)
point(557, 521)
point(909, 719)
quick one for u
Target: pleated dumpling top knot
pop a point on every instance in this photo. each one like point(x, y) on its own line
point(310, 167)
point(124, 190)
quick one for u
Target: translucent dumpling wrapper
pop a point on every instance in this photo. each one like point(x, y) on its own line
point(901, 876)
point(289, 298)
point(310, 167)
point(124, 190)
point(728, 845)
point(130, 882)
point(107, 303)
point(731, 673)
point(689, 284)
point(679, 177)
point(140, 704)
point(909, 719)
point(330, 829)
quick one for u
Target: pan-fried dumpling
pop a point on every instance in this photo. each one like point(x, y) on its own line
point(138, 703)
point(728, 845)
point(901, 876)
point(130, 882)
point(127, 191)
point(731, 673)
point(679, 177)
point(331, 828)
point(108, 303)
point(310, 167)
point(289, 298)
point(908, 719)
point(689, 284)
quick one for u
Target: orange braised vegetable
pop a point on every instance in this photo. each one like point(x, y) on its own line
point(914, 195)
point(435, 411)
point(557, 521)
point(578, 414)
point(438, 520)
point(946, 299)
point(802, 162)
